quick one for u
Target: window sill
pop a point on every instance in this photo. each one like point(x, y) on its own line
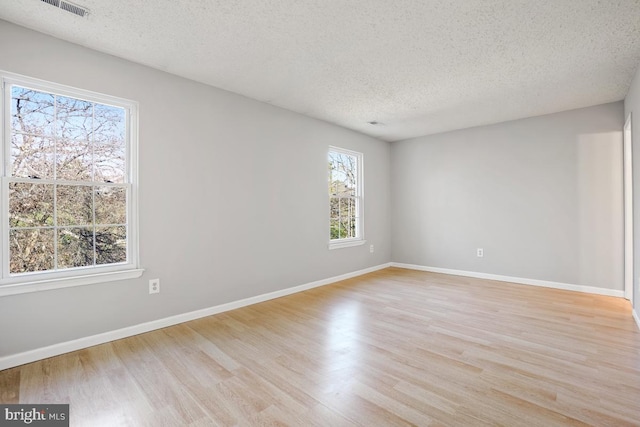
point(67, 282)
point(346, 244)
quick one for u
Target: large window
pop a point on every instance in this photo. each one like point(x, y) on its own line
point(345, 197)
point(68, 185)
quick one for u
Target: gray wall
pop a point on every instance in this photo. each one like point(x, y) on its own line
point(233, 198)
point(542, 196)
point(632, 106)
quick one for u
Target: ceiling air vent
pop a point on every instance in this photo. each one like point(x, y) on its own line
point(69, 7)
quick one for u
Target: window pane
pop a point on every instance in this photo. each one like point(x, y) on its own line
point(332, 181)
point(348, 227)
point(335, 231)
point(339, 187)
point(74, 118)
point(111, 245)
point(110, 143)
point(347, 207)
point(109, 123)
point(32, 156)
point(74, 160)
point(111, 205)
point(345, 191)
point(30, 250)
point(333, 188)
point(74, 204)
point(109, 162)
point(30, 205)
point(342, 175)
point(345, 214)
point(31, 111)
point(334, 204)
point(75, 247)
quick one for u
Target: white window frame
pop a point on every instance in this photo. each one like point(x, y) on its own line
point(359, 239)
point(40, 281)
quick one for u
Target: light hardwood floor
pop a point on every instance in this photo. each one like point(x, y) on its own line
point(394, 347)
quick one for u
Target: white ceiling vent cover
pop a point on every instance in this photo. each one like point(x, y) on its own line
point(69, 7)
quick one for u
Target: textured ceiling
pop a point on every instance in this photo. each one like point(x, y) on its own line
point(416, 66)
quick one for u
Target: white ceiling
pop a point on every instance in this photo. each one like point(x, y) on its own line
point(416, 66)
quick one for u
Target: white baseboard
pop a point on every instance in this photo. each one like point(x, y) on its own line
point(18, 359)
point(520, 280)
point(635, 316)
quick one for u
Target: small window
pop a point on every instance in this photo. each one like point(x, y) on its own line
point(345, 198)
point(68, 183)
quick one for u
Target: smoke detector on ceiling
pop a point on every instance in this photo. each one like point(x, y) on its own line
point(69, 7)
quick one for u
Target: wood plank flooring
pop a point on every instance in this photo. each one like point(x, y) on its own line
point(394, 347)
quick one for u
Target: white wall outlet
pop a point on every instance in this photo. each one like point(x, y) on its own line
point(154, 286)
point(371, 248)
point(480, 252)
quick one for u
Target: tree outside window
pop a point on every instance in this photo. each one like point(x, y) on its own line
point(345, 194)
point(68, 186)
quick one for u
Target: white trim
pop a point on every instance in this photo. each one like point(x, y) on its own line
point(67, 282)
point(64, 90)
point(635, 317)
point(14, 360)
point(628, 211)
point(345, 243)
point(519, 280)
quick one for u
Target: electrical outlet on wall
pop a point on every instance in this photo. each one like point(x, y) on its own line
point(154, 286)
point(480, 252)
point(371, 248)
